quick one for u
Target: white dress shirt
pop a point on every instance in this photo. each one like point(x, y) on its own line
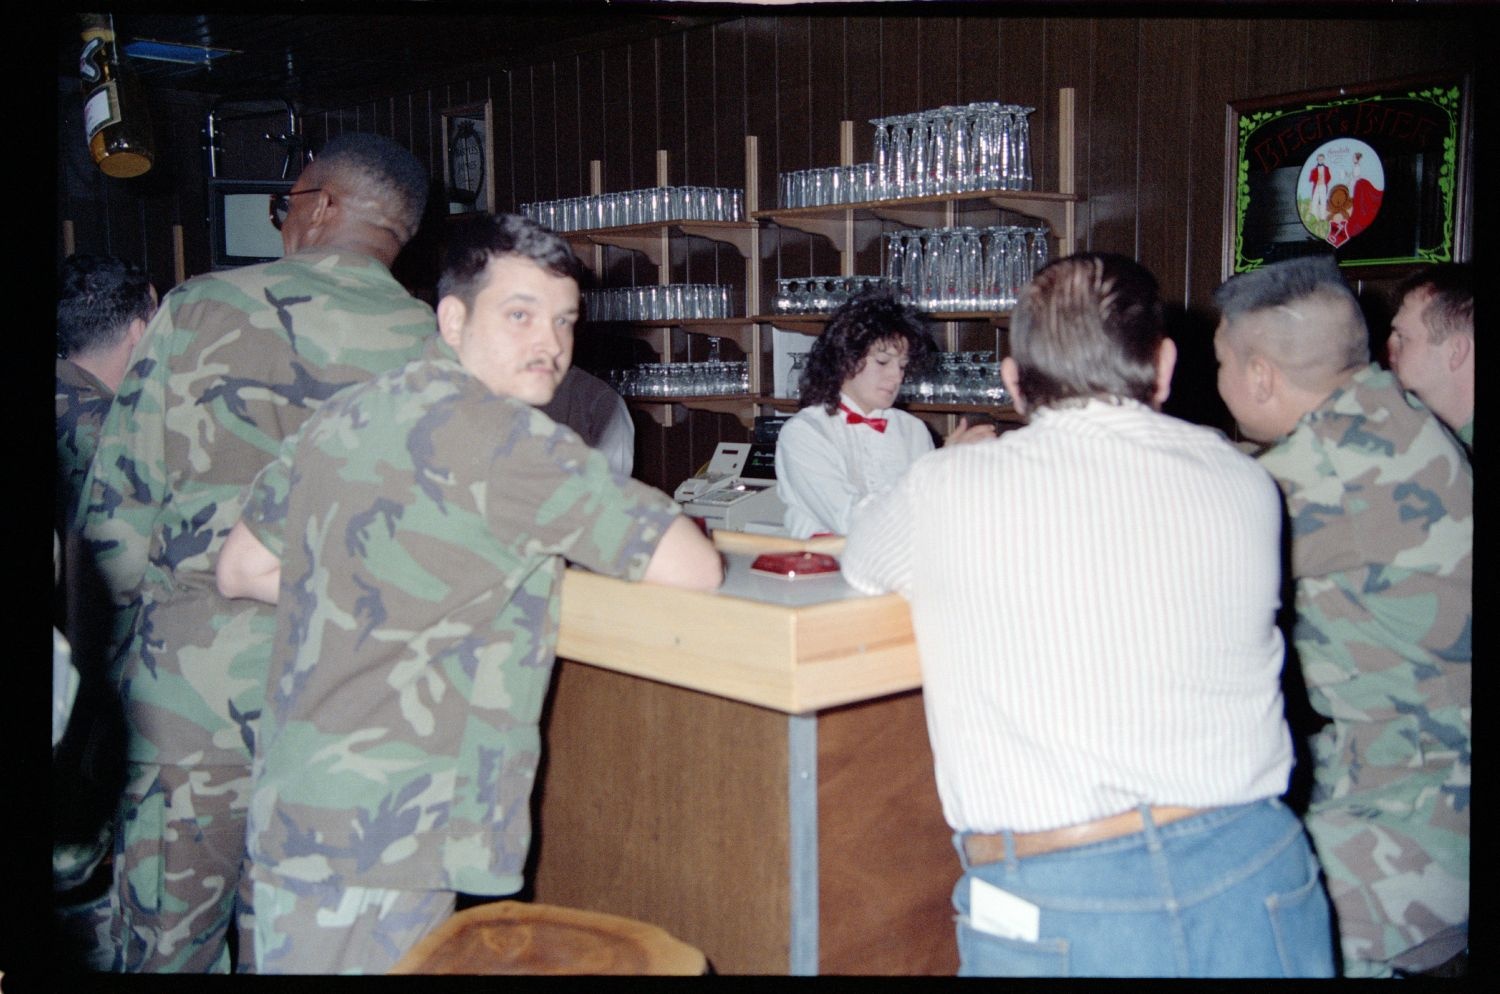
point(1094, 599)
point(824, 465)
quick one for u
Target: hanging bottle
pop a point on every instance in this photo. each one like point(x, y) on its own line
point(115, 120)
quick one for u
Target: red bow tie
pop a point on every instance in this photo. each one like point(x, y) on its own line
point(859, 419)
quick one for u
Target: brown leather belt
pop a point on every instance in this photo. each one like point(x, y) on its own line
point(983, 849)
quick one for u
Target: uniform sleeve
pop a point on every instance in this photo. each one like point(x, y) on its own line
point(813, 478)
point(877, 555)
point(560, 493)
point(265, 500)
point(121, 498)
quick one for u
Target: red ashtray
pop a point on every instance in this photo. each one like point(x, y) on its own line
point(792, 565)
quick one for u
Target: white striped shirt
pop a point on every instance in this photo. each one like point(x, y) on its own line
point(1094, 598)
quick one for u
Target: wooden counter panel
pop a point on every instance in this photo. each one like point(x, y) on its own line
point(886, 860)
point(792, 659)
point(669, 806)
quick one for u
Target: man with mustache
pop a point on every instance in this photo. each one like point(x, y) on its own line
point(413, 538)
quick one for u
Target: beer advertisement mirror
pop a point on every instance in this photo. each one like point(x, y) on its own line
point(467, 147)
point(1377, 174)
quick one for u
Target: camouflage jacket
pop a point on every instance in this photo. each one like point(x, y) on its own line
point(231, 365)
point(1380, 500)
point(82, 402)
point(422, 523)
point(1466, 436)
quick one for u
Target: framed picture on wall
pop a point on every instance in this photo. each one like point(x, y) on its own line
point(468, 136)
point(1377, 174)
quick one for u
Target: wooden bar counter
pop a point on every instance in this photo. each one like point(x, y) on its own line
point(749, 770)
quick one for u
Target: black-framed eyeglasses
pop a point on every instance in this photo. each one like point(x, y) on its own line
point(281, 205)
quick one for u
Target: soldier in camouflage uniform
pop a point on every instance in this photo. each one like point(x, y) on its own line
point(414, 533)
point(1380, 500)
point(1431, 345)
point(233, 364)
point(103, 305)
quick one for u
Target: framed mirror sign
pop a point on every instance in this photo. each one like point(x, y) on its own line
point(1378, 174)
point(468, 136)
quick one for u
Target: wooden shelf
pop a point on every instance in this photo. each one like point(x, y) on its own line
point(812, 324)
point(661, 409)
point(937, 210)
point(650, 239)
point(1004, 413)
point(740, 331)
point(655, 242)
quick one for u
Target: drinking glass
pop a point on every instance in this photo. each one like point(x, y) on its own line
point(901, 156)
point(912, 265)
point(1039, 250)
point(932, 270)
point(819, 302)
point(1023, 146)
point(880, 156)
point(938, 137)
point(794, 375)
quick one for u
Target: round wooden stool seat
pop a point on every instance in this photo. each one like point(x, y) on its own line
point(512, 937)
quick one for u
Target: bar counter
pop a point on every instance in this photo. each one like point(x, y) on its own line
point(748, 769)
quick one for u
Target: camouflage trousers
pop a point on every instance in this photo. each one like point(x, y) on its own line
point(82, 908)
point(328, 929)
point(179, 880)
point(1396, 861)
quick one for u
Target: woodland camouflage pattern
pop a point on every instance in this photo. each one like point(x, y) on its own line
point(420, 539)
point(1380, 500)
point(82, 402)
point(231, 365)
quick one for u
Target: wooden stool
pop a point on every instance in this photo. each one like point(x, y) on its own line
point(512, 937)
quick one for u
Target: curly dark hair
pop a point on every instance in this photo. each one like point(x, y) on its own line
point(871, 317)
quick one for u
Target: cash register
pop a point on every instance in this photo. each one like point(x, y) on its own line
point(736, 491)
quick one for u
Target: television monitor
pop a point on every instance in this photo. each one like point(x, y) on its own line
point(239, 220)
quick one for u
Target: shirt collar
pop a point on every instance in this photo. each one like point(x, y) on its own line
point(878, 412)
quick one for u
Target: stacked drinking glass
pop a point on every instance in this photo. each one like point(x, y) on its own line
point(666, 380)
point(829, 185)
point(662, 302)
point(969, 378)
point(979, 146)
point(653, 205)
point(819, 294)
point(964, 269)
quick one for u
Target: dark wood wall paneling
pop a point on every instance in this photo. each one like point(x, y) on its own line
point(1150, 103)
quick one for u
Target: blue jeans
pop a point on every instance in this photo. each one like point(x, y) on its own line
point(1233, 892)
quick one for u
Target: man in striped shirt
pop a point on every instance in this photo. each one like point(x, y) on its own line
point(1094, 598)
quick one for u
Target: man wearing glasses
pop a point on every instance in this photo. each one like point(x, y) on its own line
point(232, 364)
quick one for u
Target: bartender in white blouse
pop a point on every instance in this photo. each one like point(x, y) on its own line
point(848, 442)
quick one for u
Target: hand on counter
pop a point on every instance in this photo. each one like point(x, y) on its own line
point(966, 432)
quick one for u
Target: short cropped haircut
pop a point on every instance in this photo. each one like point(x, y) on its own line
point(97, 298)
point(1089, 325)
point(380, 172)
point(855, 328)
point(1450, 303)
point(478, 241)
point(1316, 327)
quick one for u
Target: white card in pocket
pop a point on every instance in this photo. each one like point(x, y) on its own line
point(999, 912)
